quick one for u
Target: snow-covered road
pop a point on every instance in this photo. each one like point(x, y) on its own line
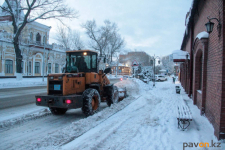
point(144, 120)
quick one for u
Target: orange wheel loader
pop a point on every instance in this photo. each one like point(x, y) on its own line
point(81, 85)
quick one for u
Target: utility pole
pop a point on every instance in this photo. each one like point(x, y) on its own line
point(154, 58)
point(43, 63)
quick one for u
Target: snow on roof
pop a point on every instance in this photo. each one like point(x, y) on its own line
point(162, 70)
point(202, 35)
point(121, 65)
point(14, 7)
point(179, 54)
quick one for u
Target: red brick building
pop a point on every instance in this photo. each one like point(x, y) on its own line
point(203, 75)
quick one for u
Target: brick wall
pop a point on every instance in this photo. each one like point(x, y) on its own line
point(222, 121)
point(213, 73)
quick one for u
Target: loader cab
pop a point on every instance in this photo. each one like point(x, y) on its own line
point(81, 61)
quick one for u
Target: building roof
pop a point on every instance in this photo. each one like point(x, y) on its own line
point(14, 7)
point(189, 21)
point(78, 51)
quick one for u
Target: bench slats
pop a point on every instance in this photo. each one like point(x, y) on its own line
point(183, 111)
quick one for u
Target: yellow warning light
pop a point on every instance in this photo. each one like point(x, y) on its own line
point(85, 53)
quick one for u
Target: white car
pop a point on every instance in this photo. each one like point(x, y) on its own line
point(160, 78)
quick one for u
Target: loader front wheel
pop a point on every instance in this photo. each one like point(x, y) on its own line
point(91, 101)
point(57, 111)
point(113, 96)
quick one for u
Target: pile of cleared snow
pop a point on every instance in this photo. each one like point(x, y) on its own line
point(24, 118)
point(134, 86)
point(25, 82)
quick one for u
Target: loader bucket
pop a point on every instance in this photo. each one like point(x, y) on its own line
point(122, 93)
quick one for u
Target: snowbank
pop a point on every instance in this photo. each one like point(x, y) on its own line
point(25, 82)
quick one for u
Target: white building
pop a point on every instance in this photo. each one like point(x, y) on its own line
point(35, 49)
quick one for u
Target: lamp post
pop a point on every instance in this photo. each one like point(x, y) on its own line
point(154, 58)
point(43, 63)
point(209, 26)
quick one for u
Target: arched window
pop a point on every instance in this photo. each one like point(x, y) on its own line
point(31, 36)
point(49, 68)
point(38, 38)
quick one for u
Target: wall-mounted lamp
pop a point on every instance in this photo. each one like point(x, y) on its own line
point(187, 56)
point(209, 26)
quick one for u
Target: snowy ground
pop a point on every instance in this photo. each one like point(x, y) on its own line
point(28, 82)
point(144, 120)
point(25, 82)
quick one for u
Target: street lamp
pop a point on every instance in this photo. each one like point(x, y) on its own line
point(154, 58)
point(209, 26)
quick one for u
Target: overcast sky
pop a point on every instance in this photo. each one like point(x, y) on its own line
point(154, 26)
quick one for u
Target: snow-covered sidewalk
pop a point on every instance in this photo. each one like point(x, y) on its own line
point(25, 82)
point(148, 123)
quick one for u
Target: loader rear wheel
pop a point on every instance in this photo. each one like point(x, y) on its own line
point(91, 101)
point(57, 111)
point(113, 96)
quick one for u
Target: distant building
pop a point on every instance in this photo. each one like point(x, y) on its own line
point(121, 69)
point(34, 43)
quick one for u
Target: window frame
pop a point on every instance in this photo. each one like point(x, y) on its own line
point(57, 68)
point(50, 68)
point(37, 68)
point(9, 67)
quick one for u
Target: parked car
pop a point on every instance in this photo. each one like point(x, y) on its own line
point(124, 78)
point(160, 78)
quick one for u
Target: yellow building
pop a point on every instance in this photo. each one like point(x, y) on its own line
point(35, 49)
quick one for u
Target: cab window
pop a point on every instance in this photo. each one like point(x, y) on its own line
point(94, 65)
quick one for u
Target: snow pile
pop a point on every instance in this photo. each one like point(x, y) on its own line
point(24, 118)
point(25, 82)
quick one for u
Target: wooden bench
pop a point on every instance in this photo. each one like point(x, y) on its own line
point(183, 115)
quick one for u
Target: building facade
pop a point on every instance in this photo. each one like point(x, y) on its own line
point(203, 74)
point(39, 57)
point(120, 69)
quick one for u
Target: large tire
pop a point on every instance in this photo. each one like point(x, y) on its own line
point(113, 96)
point(57, 111)
point(91, 101)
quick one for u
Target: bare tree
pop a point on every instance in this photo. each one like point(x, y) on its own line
point(115, 44)
point(100, 36)
point(167, 64)
point(69, 38)
point(76, 41)
point(33, 10)
point(63, 36)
